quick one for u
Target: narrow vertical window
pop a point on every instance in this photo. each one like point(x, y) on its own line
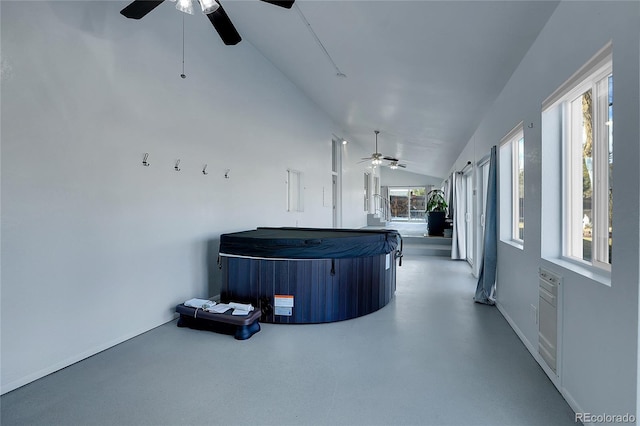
point(609, 172)
point(518, 188)
point(294, 191)
point(512, 186)
point(367, 191)
point(589, 165)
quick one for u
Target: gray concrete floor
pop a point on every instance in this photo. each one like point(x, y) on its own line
point(430, 357)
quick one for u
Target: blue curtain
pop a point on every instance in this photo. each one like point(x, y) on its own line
point(487, 278)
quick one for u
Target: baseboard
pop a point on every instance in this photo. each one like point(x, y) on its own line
point(532, 349)
point(573, 404)
point(519, 332)
point(79, 357)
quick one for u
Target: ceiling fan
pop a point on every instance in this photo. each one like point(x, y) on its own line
point(395, 163)
point(377, 158)
point(214, 11)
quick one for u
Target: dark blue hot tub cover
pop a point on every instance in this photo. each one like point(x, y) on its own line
point(309, 243)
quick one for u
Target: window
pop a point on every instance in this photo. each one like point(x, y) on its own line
point(336, 179)
point(407, 204)
point(295, 201)
point(335, 155)
point(588, 164)
point(584, 110)
point(367, 191)
point(512, 186)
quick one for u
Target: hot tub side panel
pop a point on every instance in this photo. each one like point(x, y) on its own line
point(324, 290)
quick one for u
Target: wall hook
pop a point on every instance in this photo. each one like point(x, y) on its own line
point(204, 170)
point(177, 166)
point(144, 160)
point(226, 173)
point(530, 125)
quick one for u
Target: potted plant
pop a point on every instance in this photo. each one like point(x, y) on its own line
point(436, 212)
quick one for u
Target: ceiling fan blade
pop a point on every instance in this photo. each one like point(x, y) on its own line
point(224, 27)
point(285, 4)
point(404, 166)
point(139, 8)
point(391, 159)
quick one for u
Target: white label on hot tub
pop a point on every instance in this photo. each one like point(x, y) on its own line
point(281, 310)
point(388, 259)
point(283, 300)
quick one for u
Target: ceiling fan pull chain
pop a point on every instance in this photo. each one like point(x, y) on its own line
point(183, 75)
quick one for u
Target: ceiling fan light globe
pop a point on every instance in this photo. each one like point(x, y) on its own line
point(209, 6)
point(185, 6)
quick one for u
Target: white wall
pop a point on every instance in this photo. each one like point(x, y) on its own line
point(97, 248)
point(600, 323)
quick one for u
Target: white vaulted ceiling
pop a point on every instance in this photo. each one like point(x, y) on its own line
point(422, 72)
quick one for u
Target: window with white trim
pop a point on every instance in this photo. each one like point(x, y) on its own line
point(367, 191)
point(585, 108)
point(512, 186)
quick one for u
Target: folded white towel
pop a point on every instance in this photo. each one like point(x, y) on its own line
point(199, 303)
point(219, 308)
point(241, 307)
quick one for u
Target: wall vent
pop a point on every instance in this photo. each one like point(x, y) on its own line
point(548, 284)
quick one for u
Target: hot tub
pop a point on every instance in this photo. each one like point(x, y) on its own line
point(310, 275)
